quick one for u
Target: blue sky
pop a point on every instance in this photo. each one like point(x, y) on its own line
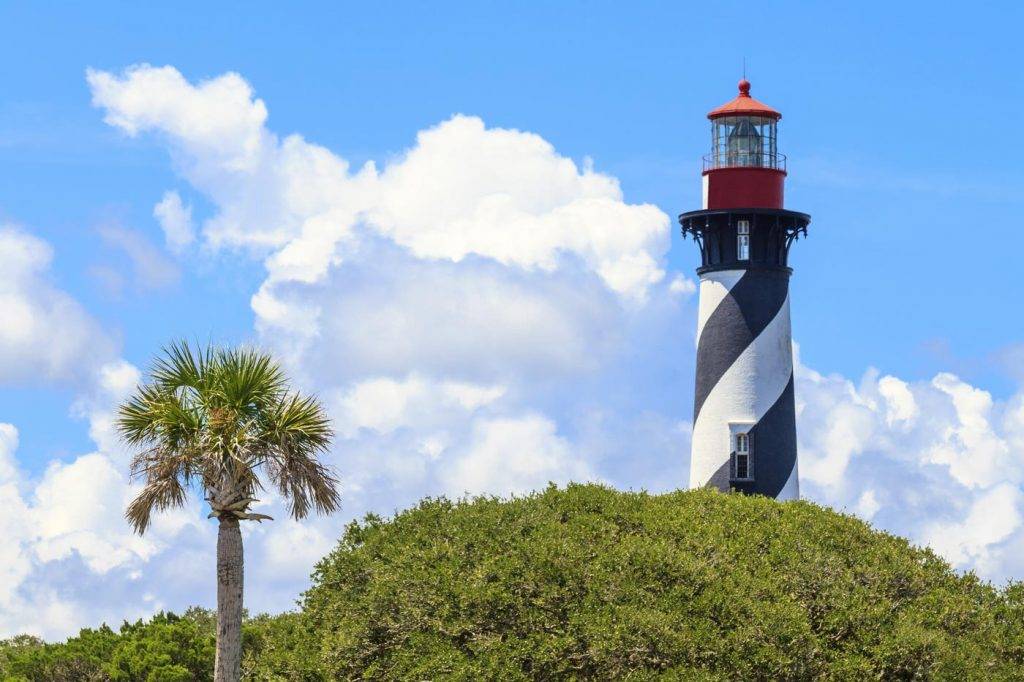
point(898, 127)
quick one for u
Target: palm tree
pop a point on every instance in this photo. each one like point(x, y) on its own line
point(215, 420)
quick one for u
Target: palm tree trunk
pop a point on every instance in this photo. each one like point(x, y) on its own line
point(230, 569)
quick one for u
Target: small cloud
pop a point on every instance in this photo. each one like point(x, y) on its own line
point(384, 404)
point(109, 279)
point(682, 286)
point(150, 268)
point(175, 219)
point(867, 505)
point(991, 519)
point(514, 455)
point(1011, 359)
point(45, 333)
point(899, 399)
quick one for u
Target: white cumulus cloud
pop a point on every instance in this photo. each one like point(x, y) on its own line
point(463, 189)
point(932, 460)
point(515, 455)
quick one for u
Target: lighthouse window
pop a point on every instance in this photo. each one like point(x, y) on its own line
point(742, 456)
point(744, 141)
point(743, 240)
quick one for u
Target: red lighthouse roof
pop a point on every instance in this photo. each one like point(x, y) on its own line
point(744, 105)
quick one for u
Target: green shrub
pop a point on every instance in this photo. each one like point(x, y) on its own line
point(591, 583)
point(166, 648)
point(279, 648)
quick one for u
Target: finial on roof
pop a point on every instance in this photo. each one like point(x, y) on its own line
point(744, 105)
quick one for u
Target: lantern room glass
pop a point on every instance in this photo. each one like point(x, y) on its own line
point(744, 142)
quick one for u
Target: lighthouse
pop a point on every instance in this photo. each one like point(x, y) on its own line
point(744, 417)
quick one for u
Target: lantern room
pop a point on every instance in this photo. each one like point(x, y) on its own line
point(744, 168)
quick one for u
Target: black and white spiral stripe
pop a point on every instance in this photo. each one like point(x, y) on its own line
point(745, 376)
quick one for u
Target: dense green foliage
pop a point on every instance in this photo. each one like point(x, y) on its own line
point(166, 648)
point(590, 583)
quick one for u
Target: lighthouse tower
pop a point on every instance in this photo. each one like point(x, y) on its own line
point(744, 419)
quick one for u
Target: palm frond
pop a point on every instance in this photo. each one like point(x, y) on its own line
point(298, 418)
point(153, 415)
point(179, 366)
point(294, 434)
point(304, 483)
point(164, 489)
point(249, 379)
point(137, 421)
